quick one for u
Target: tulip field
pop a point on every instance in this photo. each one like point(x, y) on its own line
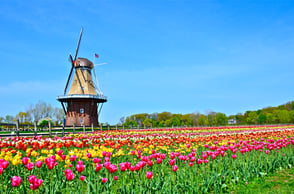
point(175, 160)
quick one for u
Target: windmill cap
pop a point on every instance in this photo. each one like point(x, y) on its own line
point(83, 62)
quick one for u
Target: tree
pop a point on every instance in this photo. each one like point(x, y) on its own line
point(240, 118)
point(8, 119)
point(291, 115)
point(187, 119)
point(270, 118)
point(202, 120)
point(261, 118)
point(211, 118)
point(168, 123)
point(154, 116)
point(21, 116)
point(147, 122)
point(284, 116)
point(164, 116)
point(59, 115)
point(176, 120)
point(252, 118)
point(221, 119)
point(122, 120)
point(1, 119)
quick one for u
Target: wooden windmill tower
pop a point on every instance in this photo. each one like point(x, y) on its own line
point(82, 104)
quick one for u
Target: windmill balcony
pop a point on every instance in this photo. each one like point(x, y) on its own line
point(98, 98)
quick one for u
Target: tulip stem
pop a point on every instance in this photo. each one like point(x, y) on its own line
point(50, 181)
point(2, 182)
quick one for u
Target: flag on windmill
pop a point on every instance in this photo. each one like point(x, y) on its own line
point(96, 55)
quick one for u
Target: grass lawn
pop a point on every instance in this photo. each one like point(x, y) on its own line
point(280, 182)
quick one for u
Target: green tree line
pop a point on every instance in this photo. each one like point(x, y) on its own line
point(270, 115)
point(36, 112)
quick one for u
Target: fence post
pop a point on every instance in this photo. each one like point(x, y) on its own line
point(17, 127)
point(63, 125)
point(50, 131)
point(101, 127)
point(35, 123)
point(92, 127)
point(116, 127)
point(108, 127)
point(84, 129)
point(123, 127)
point(74, 128)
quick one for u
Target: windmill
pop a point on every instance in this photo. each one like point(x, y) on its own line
point(83, 100)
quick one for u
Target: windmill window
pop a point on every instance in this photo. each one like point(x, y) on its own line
point(82, 111)
point(75, 81)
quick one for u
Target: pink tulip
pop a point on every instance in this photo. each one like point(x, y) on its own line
point(191, 164)
point(39, 164)
point(1, 170)
point(138, 167)
point(159, 160)
point(150, 163)
point(175, 168)
point(95, 160)
point(4, 164)
point(107, 159)
point(60, 152)
point(89, 155)
point(69, 174)
point(32, 179)
point(128, 165)
point(104, 153)
point(149, 174)
point(80, 167)
point(133, 168)
point(30, 166)
point(73, 158)
point(36, 184)
point(104, 180)
point(172, 155)
point(82, 178)
point(234, 156)
point(122, 167)
point(172, 162)
point(112, 168)
point(25, 160)
point(99, 167)
point(115, 178)
point(15, 181)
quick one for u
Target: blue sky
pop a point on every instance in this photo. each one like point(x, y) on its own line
point(179, 56)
